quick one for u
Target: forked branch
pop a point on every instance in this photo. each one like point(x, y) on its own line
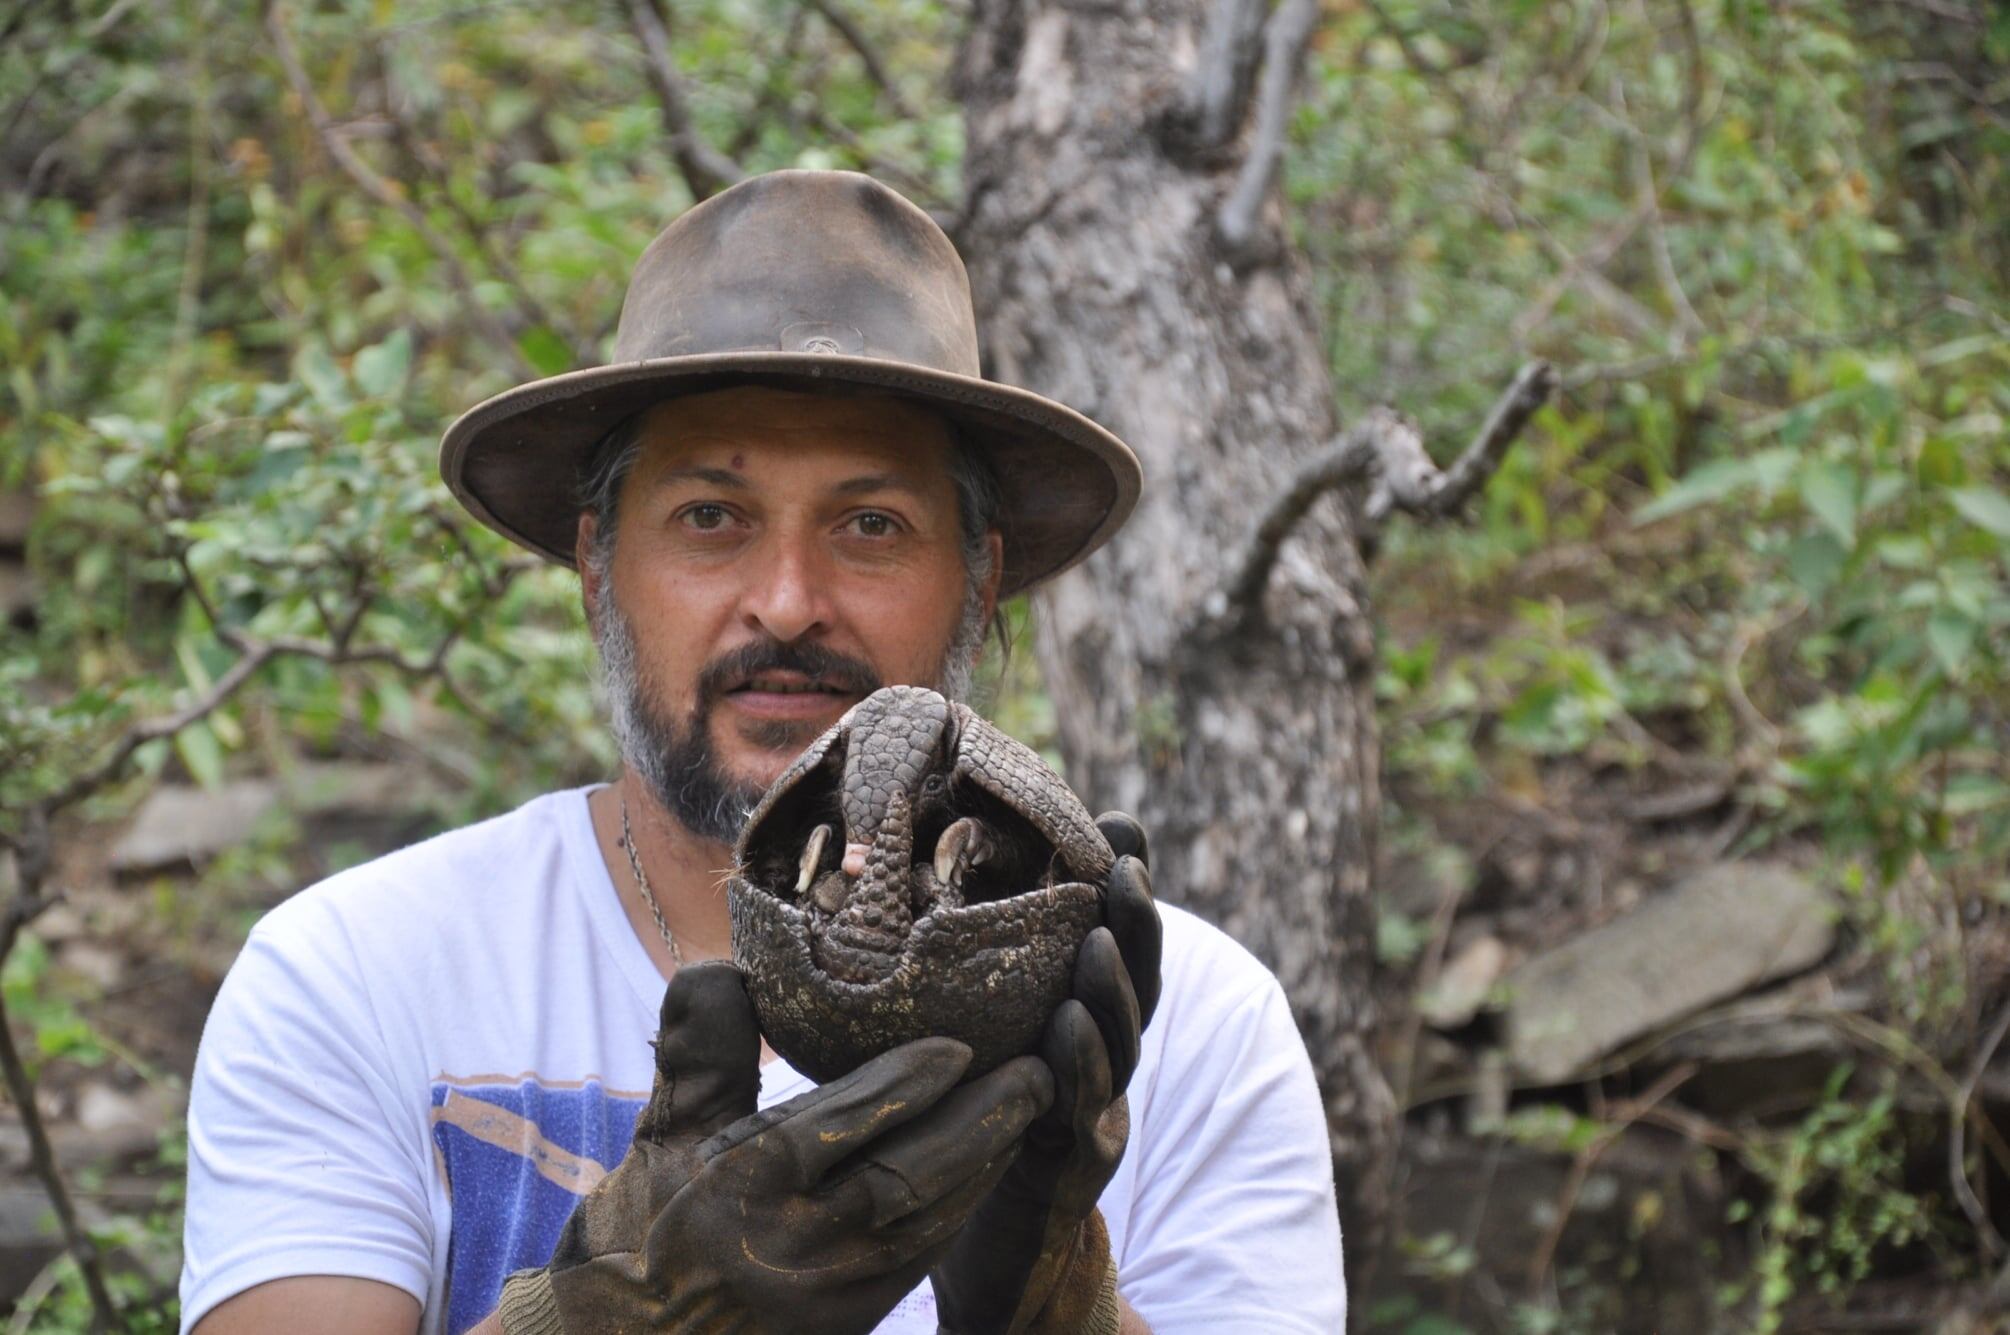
point(875, 68)
point(1384, 453)
point(704, 168)
point(1218, 97)
point(388, 193)
point(29, 900)
point(1286, 38)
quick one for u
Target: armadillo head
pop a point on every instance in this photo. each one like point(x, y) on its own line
point(913, 869)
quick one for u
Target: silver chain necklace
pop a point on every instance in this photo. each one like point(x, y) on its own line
point(642, 884)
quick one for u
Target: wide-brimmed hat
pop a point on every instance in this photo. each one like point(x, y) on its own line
point(803, 280)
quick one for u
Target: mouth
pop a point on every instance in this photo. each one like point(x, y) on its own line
point(782, 694)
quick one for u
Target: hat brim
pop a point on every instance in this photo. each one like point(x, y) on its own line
point(1067, 484)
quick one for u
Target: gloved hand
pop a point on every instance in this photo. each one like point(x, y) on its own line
point(1035, 1256)
point(814, 1216)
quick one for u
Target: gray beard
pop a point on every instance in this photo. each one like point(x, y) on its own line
point(678, 764)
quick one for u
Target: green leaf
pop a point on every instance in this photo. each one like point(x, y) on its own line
point(202, 753)
point(545, 351)
point(381, 368)
point(1967, 794)
point(1829, 491)
point(1939, 462)
point(71, 1037)
point(1905, 552)
point(1713, 481)
point(1816, 560)
point(314, 368)
point(1984, 507)
point(1880, 490)
point(1951, 637)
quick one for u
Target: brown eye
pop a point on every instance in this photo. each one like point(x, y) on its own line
point(705, 517)
point(872, 524)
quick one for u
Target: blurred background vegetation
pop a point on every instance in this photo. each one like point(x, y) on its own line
point(1739, 593)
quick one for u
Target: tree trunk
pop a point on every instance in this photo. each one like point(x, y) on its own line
point(1096, 248)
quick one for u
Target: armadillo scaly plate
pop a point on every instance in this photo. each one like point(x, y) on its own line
point(916, 872)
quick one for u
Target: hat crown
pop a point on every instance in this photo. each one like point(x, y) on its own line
point(802, 261)
point(810, 282)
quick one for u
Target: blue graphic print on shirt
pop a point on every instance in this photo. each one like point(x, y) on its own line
point(517, 1158)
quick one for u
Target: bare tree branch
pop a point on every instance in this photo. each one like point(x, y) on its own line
point(28, 902)
point(54, 68)
point(487, 242)
point(705, 169)
point(1934, 71)
point(254, 653)
point(1386, 452)
point(1438, 494)
point(82, 1247)
point(911, 181)
point(1575, 268)
point(17, 18)
point(155, 729)
point(1218, 98)
point(1433, 71)
point(1586, 268)
point(195, 248)
point(1957, 1140)
point(1688, 324)
point(1286, 38)
point(875, 68)
point(777, 84)
point(1942, 9)
point(31, 843)
point(386, 193)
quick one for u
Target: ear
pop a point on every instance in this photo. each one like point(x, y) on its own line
point(589, 580)
point(995, 542)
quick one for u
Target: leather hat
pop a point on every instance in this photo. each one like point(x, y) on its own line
point(802, 280)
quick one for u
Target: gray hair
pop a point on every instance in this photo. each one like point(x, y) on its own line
point(979, 504)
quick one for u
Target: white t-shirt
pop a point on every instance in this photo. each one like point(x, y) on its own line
point(416, 1068)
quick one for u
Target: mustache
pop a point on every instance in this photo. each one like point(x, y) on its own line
point(825, 666)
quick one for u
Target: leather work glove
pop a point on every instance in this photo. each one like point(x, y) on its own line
point(814, 1216)
point(1035, 1256)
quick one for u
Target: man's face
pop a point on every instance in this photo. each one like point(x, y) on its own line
point(779, 556)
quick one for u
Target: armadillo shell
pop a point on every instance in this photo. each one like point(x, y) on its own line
point(989, 975)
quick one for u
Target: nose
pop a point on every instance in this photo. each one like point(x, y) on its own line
point(788, 588)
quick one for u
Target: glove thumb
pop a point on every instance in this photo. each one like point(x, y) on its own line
point(708, 1056)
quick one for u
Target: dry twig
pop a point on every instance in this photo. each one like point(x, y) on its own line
point(705, 169)
point(30, 900)
point(1957, 1138)
point(387, 193)
point(875, 68)
point(1286, 38)
point(1219, 96)
point(1628, 1113)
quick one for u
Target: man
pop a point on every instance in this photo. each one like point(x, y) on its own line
point(427, 1098)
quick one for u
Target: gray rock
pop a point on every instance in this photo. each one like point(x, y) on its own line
point(28, 1237)
point(103, 1111)
point(1725, 930)
point(1463, 984)
point(179, 824)
point(94, 962)
point(358, 788)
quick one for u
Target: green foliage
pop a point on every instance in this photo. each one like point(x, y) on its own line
point(1767, 524)
point(143, 1283)
point(1834, 1198)
point(240, 303)
point(1761, 536)
point(55, 1028)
